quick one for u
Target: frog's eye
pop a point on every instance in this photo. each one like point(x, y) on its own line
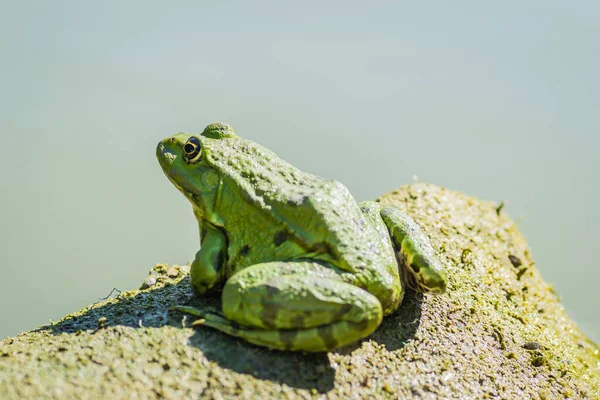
point(192, 148)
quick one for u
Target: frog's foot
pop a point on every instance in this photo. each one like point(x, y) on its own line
point(322, 338)
point(296, 306)
point(425, 270)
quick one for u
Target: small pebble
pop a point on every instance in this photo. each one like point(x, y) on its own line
point(516, 261)
point(532, 346)
point(102, 322)
point(149, 282)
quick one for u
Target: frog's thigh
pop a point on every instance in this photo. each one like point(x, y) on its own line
point(426, 272)
point(297, 306)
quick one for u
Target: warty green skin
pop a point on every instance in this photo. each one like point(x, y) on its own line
point(302, 266)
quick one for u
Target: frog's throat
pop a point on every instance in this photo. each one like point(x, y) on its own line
point(199, 204)
point(188, 195)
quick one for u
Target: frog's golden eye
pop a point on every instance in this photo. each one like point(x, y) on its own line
point(192, 148)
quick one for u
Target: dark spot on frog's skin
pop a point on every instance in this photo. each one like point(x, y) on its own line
point(343, 310)
point(279, 238)
point(515, 261)
point(268, 315)
point(271, 290)
point(217, 259)
point(288, 337)
point(326, 334)
point(362, 325)
point(245, 250)
point(298, 321)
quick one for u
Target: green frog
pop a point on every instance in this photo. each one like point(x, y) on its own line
point(301, 265)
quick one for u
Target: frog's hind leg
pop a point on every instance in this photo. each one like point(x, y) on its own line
point(295, 306)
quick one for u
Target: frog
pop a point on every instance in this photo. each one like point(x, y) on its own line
point(299, 263)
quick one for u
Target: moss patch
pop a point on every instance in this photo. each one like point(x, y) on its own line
point(499, 331)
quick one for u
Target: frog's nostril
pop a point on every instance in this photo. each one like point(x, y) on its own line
point(171, 139)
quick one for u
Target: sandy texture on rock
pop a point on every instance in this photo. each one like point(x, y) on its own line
point(499, 332)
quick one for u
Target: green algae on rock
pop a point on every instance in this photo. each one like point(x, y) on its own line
point(499, 331)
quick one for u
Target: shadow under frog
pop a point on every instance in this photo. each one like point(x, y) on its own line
point(150, 309)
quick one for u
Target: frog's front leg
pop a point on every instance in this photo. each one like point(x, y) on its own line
point(425, 271)
point(207, 269)
point(295, 306)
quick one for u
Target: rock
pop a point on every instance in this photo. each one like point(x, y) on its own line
point(500, 331)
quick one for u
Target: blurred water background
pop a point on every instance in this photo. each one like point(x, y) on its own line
point(499, 100)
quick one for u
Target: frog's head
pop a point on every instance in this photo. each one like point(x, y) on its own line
point(185, 159)
point(188, 162)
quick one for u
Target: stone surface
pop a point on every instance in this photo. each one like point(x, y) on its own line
point(499, 332)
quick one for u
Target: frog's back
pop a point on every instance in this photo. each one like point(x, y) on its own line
point(319, 215)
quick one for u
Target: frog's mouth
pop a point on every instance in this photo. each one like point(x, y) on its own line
point(167, 158)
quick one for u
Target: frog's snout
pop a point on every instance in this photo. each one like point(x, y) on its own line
point(164, 152)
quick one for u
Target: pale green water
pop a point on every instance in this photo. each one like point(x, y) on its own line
point(500, 102)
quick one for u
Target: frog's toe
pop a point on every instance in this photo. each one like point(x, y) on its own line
point(189, 310)
point(207, 314)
